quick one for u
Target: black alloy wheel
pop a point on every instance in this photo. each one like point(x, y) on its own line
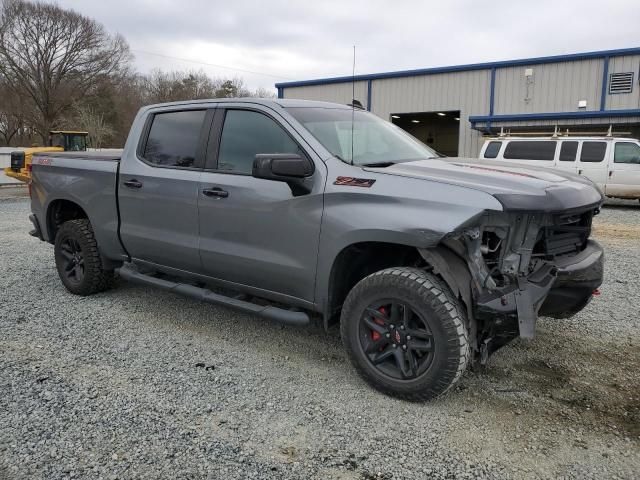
point(78, 259)
point(406, 333)
point(73, 260)
point(396, 339)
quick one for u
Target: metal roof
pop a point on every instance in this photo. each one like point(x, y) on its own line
point(467, 67)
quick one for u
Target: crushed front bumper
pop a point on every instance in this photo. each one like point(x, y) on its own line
point(578, 277)
point(558, 290)
point(518, 302)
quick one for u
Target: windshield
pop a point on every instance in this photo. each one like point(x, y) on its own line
point(77, 143)
point(375, 141)
point(70, 142)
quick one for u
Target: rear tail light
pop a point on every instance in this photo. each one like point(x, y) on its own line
point(596, 292)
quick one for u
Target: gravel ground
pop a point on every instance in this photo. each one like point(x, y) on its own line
point(138, 383)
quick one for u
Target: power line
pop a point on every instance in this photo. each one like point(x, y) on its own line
point(210, 64)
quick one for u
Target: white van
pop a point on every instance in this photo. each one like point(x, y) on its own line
point(613, 163)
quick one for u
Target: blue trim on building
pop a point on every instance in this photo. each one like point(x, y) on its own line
point(280, 92)
point(554, 116)
point(467, 67)
point(369, 95)
point(605, 82)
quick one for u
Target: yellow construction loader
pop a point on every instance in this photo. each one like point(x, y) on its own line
point(59, 141)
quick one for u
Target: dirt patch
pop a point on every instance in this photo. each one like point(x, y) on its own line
point(551, 375)
point(616, 231)
point(557, 404)
point(600, 383)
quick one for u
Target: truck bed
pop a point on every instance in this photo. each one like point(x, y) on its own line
point(88, 179)
point(112, 155)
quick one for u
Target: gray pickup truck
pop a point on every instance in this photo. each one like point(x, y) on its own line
point(296, 210)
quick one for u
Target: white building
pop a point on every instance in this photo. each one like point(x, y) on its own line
point(451, 108)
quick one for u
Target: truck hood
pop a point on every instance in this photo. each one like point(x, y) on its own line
point(515, 186)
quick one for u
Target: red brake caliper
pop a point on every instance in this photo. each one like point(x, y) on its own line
point(375, 336)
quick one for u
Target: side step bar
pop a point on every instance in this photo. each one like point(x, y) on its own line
point(288, 317)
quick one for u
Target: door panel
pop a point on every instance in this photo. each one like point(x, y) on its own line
point(159, 186)
point(255, 232)
point(591, 162)
point(260, 234)
point(624, 171)
point(160, 219)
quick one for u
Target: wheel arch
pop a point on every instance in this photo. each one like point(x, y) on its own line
point(59, 211)
point(358, 260)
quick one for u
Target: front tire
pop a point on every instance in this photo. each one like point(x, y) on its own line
point(405, 333)
point(78, 259)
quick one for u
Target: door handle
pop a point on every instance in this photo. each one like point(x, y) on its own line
point(579, 172)
point(215, 192)
point(610, 173)
point(133, 183)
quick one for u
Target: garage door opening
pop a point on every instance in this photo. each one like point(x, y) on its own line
point(438, 130)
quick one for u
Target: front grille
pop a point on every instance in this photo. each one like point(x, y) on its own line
point(568, 235)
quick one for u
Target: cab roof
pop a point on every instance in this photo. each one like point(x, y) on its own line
point(269, 102)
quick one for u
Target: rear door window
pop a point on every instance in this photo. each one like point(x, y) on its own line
point(627, 152)
point(492, 149)
point(568, 151)
point(174, 138)
point(530, 150)
point(593, 151)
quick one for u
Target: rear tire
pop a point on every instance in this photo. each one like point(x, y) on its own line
point(78, 259)
point(406, 333)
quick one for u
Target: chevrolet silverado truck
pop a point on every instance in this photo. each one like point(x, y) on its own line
point(296, 211)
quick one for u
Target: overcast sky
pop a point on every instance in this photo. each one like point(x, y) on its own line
point(297, 40)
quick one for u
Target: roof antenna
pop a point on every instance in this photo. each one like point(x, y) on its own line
point(353, 98)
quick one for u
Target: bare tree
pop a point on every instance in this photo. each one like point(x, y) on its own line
point(160, 86)
point(264, 93)
point(53, 57)
point(87, 118)
point(232, 88)
point(13, 117)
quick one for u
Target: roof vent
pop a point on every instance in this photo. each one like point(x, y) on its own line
point(621, 82)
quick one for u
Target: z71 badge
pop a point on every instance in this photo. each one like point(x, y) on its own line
point(354, 182)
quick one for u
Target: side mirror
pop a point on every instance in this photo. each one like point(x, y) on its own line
point(281, 166)
point(290, 168)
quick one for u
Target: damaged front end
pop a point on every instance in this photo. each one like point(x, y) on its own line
point(519, 265)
